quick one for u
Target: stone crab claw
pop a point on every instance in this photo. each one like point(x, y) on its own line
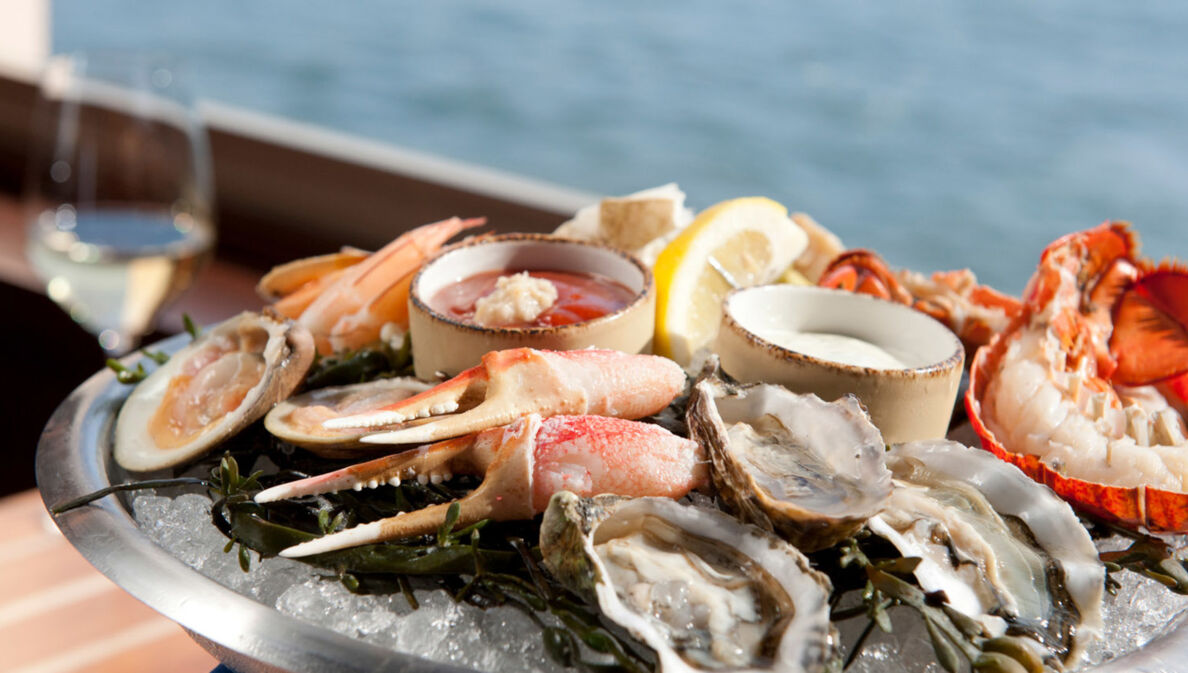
point(524, 464)
point(511, 383)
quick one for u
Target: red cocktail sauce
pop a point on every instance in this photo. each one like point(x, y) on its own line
point(580, 296)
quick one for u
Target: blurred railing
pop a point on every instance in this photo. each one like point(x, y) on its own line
point(285, 189)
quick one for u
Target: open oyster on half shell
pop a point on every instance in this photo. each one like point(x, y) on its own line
point(703, 590)
point(226, 379)
point(810, 470)
point(1005, 550)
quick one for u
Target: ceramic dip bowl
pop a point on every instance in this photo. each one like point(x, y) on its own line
point(443, 344)
point(904, 366)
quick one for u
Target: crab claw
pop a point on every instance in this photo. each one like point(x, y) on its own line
point(525, 463)
point(511, 383)
point(433, 463)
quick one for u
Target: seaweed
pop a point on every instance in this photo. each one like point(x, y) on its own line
point(486, 564)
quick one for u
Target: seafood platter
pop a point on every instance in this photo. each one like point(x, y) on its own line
point(654, 441)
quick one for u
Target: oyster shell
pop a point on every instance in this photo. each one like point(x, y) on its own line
point(703, 590)
point(208, 391)
point(1004, 549)
point(810, 470)
point(298, 420)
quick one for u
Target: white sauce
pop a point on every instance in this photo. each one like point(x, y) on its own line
point(518, 298)
point(835, 348)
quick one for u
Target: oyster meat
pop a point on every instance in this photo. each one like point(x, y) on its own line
point(298, 420)
point(1004, 550)
point(226, 379)
point(810, 470)
point(702, 589)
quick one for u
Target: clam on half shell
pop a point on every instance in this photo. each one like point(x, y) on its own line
point(809, 470)
point(298, 420)
point(226, 379)
point(702, 589)
point(1004, 550)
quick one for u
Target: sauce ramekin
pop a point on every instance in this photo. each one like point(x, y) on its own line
point(443, 345)
point(914, 402)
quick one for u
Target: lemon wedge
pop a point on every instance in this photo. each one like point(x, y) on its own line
point(736, 243)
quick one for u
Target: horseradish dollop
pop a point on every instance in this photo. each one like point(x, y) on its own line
point(835, 348)
point(518, 298)
point(533, 298)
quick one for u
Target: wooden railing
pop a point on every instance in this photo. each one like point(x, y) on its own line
point(285, 189)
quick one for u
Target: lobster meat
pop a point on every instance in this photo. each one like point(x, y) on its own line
point(1085, 389)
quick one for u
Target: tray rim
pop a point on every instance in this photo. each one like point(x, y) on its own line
point(73, 459)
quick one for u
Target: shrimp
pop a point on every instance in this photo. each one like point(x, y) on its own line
point(346, 298)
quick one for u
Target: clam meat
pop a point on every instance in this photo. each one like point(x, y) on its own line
point(811, 471)
point(223, 381)
point(1004, 550)
point(703, 590)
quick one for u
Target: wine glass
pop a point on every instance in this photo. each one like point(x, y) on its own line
point(118, 192)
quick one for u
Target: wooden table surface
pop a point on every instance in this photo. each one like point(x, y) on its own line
point(59, 615)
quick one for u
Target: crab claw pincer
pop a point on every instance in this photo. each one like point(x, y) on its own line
point(511, 383)
point(524, 464)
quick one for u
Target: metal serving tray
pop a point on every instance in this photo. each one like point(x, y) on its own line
point(74, 458)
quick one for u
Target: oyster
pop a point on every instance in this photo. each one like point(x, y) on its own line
point(211, 389)
point(703, 590)
point(1004, 550)
point(298, 420)
point(810, 470)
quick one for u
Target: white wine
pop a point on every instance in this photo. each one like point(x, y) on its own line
point(113, 268)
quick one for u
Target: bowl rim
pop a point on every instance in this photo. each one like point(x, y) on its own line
point(955, 360)
point(640, 298)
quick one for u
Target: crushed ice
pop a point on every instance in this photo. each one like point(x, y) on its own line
point(460, 634)
point(440, 630)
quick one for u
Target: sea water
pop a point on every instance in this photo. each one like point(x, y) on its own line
point(942, 135)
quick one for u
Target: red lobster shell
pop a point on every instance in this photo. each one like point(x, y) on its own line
point(1131, 316)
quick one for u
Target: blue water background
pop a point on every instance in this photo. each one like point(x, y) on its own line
point(941, 134)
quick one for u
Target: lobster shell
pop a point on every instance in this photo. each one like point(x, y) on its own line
point(1155, 509)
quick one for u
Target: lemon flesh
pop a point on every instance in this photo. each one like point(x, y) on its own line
point(736, 243)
